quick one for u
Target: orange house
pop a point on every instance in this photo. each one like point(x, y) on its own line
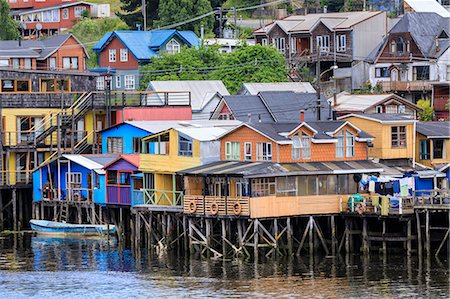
point(316, 141)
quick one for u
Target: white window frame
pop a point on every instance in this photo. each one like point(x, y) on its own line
point(341, 43)
point(264, 151)
point(72, 63)
point(112, 55)
point(280, 44)
point(129, 82)
point(15, 63)
point(306, 147)
point(232, 151)
point(73, 179)
point(349, 144)
point(79, 11)
point(173, 47)
point(264, 42)
point(123, 55)
point(296, 147)
point(247, 151)
point(65, 13)
point(391, 109)
point(118, 81)
point(323, 42)
point(293, 45)
point(379, 109)
point(100, 83)
point(340, 145)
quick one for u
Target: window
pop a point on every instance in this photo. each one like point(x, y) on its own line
point(27, 63)
point(398, 136)
point(96, 180)
point(100, 83)
point(264, 42)
point(424, 150)
point(123, 55)
point(184, 146)
point(400, 45)
point(4, 62)
point(323, 42)
point(279, 44)
point(340, 145)
point(341, 43)
point(55, 85)
point(438, 148)
point(225, 116)
point(306, 147)
point(70, 63)
point(248, 151)
point(118, 82)
point(65, 13)
point(79, 11)
point(296, 147)
point(379, 109)
point(421, 72)
point(286, 186)
point(112, 177)
point(401, 109)
point(382, 72)
point(73, 180)
point(293, 45)
point(114, 145)
point(112, 55)
point(129, 82)
point(350, 145)
point(137, 145)
point(391, 109)
point(232, 151)
point(263, 187)
point(50, 15)
point(173, 47)
point(448, 72)
point(16, 63)
point(242, 187)
point(124, 178)
point(52, 63)
point(10, 85)
point(264, 151)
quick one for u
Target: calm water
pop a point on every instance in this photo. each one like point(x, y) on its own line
point(33, 266)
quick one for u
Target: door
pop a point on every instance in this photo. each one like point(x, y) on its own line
point(80, 130)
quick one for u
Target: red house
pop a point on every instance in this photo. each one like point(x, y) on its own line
point(441, 97)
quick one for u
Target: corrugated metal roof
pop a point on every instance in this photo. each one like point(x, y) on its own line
point(439, 129)
point(428, 6)
point(159, 126)
point(144, 44)
point(360, 102)
point(91, 162)
point(202, 91)
point(203, 134)
point(268, 169)
point(255, 88)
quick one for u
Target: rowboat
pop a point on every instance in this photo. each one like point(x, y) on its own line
point(61, 228)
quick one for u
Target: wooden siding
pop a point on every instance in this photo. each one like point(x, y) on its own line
point(388, 56)
point(115, 43)
point(122, 165)
point(430, 162)
point(154, 113)
point(367, 35)
point(71, 48)
point(118, 195)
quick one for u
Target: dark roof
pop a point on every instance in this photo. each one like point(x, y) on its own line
point(424, 27)
point(438, 129)
point(277, 106)
point(269, 169)
point(39, 49)
point(102, 159)
point(273, 130)
point(381, 116)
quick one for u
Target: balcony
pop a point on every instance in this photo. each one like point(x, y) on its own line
point(216, 205)
point(405, 85)
point(15, 177)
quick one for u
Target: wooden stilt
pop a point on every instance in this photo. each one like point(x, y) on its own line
point(275, 234)
point(224, 237)
point(409, 238)
point(289, 236)
point(191, 234)
point(365, 236)
point(1, 212)
point(255, 238)
point(384, 235)
point(347, 236)
point(333, 236)
point(41, 204)
point(427, 233)
point(208, 233)
point(14, 204)
point(79, 214)
point(311, 236)
point(20, 205)
point(419, 235)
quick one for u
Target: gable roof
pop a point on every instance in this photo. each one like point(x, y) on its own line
point(306, 23)
point(425, 35)
point(92, 162)
point(145, 44)
point(384, 118)
point(434, 129)
point(133, 159)
point(276, 106)
point(39, 49)
point(361, 102)
point(202, 91)
point(255, 88)
point(428, 6)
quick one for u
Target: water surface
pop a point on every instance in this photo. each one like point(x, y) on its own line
point(35, 266)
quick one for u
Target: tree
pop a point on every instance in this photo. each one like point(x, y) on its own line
point(173, 11)
point(189, 64)
point(9, 27)
point(427, 113)
point(133, 12)
point(251, 64)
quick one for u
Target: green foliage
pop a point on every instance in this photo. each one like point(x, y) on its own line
point(132, 12)
point(9, 27)
point(173, 11)
point(86, 14)
point(427, 113)
point(305, 74)
point(90, 31)
point(246, 64)
point(181, 66)
point(367, 88)
point(251, 64)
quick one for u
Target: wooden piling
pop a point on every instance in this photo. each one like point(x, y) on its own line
point(255, 238)
point(365, 236)
point(409, 238)
point(427, 233)
point(311, 236)
point(1, 212)
point(333, 236)
point(290, 242)
point(419, 235)
point(14, 205)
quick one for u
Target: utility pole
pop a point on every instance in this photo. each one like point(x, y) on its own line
point(318, 82)
point(144, 14)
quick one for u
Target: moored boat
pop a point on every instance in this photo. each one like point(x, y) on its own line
point(61, 228)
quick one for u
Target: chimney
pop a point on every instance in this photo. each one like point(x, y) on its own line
point(249, 118)
point(259, 118)
point(302, 115)
point(325, 9)
point(202, 32)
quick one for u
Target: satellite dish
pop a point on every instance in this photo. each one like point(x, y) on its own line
point(38, 26)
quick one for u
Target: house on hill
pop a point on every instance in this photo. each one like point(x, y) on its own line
point(122, 52)
point(255, 88)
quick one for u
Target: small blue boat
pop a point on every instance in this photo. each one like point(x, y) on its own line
point(61, 228)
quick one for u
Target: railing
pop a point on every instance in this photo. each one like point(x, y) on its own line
point(137, 197)
point(163, 197)
point(405, 85)
point(15, 177)
point(39, 99)
point(216, 205)
point(381, 205)
point(144, 98)
point(437, 197)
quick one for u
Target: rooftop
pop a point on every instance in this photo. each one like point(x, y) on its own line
point(382, 117)
point(255, 88)
point(434, 129)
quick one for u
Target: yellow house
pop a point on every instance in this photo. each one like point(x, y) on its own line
point(433, 143)
point(170, 151)
point(394, 134)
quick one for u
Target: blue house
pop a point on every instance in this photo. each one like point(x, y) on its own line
point(73, 177)
point(123, 138)
point(124, 51)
